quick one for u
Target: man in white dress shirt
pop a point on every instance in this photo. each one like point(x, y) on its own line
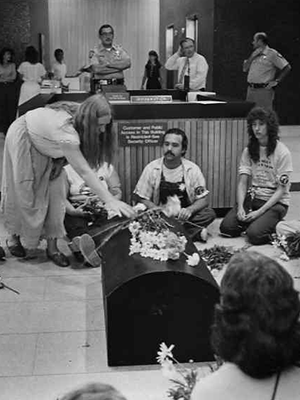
point(188, 63)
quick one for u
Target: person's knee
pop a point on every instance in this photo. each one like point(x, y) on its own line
point(228, 228)
point(211, 215)
point(256, 236)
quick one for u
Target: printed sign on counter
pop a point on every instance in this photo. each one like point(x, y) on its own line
point(141, 134)
point(117, 96)
point(151, 99)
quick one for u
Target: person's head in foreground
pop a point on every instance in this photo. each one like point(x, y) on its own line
point(263, 130)
point(94, 391)
point(257, 323)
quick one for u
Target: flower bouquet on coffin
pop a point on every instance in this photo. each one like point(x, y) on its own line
point(152, 234)
point(154, 237)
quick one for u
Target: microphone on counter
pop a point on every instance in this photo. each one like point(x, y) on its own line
point(186, 83)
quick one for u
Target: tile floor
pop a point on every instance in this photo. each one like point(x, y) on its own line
point(52, 335)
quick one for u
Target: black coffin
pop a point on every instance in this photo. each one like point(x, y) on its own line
point(147, 302)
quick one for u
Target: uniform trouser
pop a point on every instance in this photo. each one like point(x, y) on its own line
point(201, 219)
point(258, 231)
point(261, 97)
point(288, 227)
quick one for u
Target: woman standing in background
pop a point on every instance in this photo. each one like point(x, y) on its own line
point(152, 72)
point(31, 72)
point(8, 89)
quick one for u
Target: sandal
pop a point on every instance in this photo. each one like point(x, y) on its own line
point(16, 249)
point(88, 250)
point(58, 258)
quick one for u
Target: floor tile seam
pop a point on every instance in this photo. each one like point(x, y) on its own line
point(19, 334)
point(83, 300)
point(48, 276)
point(33, 376)
point(34, 354)
point(38, 333)
point(109, 370)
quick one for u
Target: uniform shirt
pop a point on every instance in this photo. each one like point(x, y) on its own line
point(115, 54)
point(269, 172)
point(263, 68)
point(59, 70)
point(149, 182)
point(8, 72)
point(197, 71)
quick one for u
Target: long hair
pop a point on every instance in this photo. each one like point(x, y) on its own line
point(96, 146)
point(157, 62)
point(71, 107)
point(94, 391)
point(31, 55)
point(6, 50)
point(257, 324)
point(270, 118)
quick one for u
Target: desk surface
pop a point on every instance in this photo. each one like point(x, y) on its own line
point(205, 108)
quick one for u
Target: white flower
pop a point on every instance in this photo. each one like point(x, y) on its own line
point(168, 370)
point(193, 259)
point(134, 227)
point(284, 257)
point(182, 187)
point(139, 207)
point(173, 254)
point(164, 352)
point(135, 247)
point(172, 207)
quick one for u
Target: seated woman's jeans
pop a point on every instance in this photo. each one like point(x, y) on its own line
point(258, 231)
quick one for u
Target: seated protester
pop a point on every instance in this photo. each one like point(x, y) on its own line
point(175, 175)
point(288, 227)
point(264, 181)
point(256, 332)
point(84, 211)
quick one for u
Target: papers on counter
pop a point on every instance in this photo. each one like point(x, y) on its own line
point(210, 102)
point(192, 96)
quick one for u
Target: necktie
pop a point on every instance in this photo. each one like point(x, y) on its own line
point(185, 67)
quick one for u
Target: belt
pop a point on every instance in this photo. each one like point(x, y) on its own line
point(257, 85)
point(114, 81)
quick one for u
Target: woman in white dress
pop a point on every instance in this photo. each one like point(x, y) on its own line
point(32, 72)
point(33, 185)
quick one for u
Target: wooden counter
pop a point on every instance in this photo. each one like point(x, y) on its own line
point(217, 135)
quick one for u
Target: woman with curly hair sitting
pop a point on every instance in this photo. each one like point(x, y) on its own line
point(256, 332)
point(264, 181)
